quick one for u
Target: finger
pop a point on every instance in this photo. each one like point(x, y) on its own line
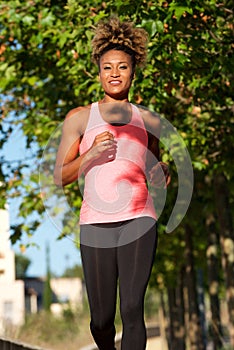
point(168, 180)
point(104, 143)
point(107, 134)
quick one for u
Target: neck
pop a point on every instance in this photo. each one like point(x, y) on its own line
point(108, 99)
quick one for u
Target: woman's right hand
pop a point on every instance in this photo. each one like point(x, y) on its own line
point(103, 145)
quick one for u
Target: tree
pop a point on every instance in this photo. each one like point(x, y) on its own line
point(227, 243)
point(195, 330)
point(213, 280)
point(47, 292)
point(75, 271)
point(46, 70)
point(177, 314)
point(21, 266)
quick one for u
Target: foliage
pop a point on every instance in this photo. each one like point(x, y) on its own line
point(47, 292)
point(47, 330)
point(75, 271)
point(21, 265)
point(45, 70)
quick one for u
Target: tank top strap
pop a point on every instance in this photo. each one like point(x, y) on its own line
point(95, 119)
point(137, 119)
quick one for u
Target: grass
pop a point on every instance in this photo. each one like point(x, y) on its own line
point(70, 331)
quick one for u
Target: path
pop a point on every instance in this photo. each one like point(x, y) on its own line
point(155, 344)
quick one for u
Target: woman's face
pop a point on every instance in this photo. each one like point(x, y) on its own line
point(116, 74)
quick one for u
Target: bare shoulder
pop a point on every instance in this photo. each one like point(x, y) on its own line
point(149, 116)
point(151, 120)
point(77, 118)
point(80, 110)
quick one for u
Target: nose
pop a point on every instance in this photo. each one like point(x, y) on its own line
point(115, 72)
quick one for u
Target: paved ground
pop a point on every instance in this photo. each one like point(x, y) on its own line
point(155, 344)
point(152, 344)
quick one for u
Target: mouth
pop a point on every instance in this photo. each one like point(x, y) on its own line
point(115, 82)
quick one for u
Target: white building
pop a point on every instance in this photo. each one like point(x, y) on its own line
point(11, 290)
point(66, 292)
point(18, 297)
point(69, 291)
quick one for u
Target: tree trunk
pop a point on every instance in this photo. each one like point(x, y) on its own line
point(163, 322)
point(201, 303)
point(180, 331)
point(227, 243)
point(213, 281)
point(172, 317)
point(176, 309)
point(194, 326)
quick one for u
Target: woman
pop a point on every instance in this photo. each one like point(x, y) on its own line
point(115, 145)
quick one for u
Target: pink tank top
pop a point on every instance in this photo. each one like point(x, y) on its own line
point(115, 186)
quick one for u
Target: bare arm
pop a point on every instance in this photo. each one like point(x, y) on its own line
point(153, 128)
point(69, 164)
point(157, 170)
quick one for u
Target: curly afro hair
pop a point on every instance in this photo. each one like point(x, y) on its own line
point(114, 34)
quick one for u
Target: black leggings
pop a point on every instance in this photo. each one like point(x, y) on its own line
point(131, 263)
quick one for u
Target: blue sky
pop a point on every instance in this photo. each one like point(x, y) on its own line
point(63, 253)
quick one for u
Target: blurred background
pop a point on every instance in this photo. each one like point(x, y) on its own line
point(46, 70)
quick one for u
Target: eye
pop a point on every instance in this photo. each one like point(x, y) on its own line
point(123, 67)
point(106, 68)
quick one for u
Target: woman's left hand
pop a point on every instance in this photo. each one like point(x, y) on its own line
point(159, 175)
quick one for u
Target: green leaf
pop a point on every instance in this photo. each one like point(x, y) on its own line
point(47, 18)
point(179, 10)
point(28, 20)
point(159, 26)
